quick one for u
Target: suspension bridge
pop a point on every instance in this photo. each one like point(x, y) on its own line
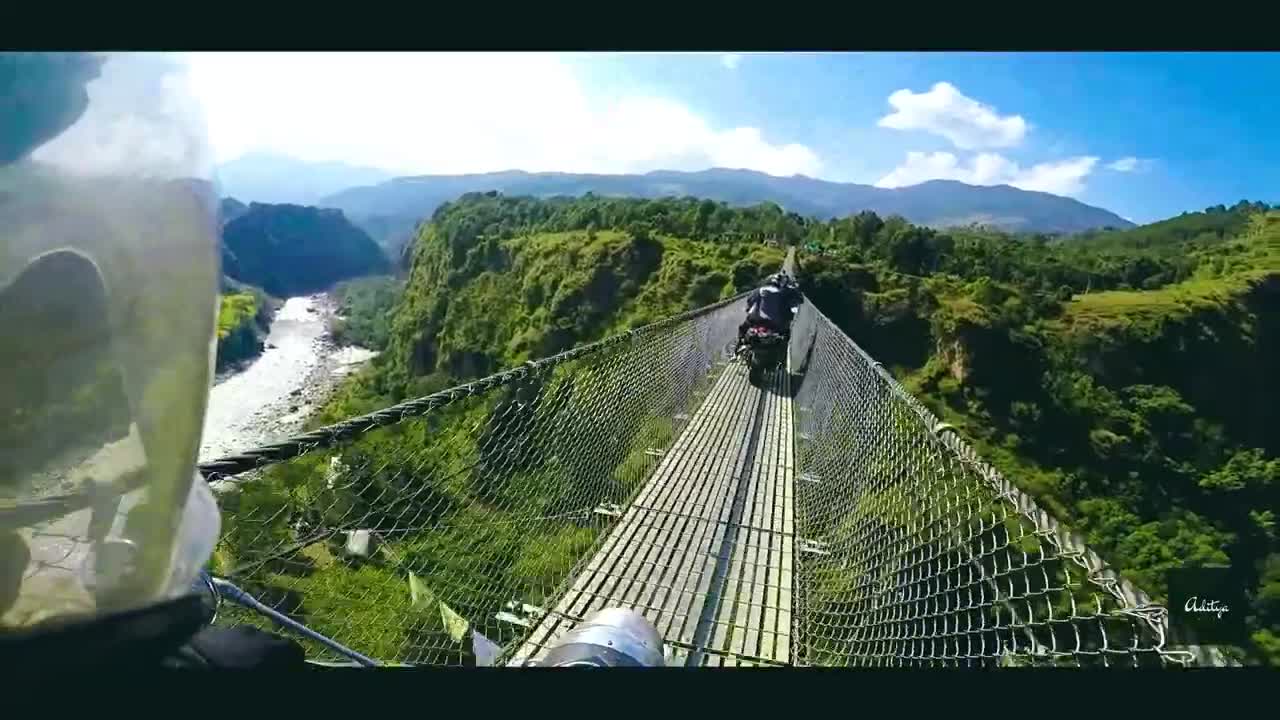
point(824, 518)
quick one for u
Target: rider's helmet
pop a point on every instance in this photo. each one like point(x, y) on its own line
point(777, 280)
point(108, 303)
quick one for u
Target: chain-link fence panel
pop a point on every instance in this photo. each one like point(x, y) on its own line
point(396, 532)
point(914, 552)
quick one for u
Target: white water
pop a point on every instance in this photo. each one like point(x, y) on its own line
point(269, 399)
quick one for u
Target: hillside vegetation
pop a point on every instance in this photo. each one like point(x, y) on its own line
point(1125, 379)
point(364, 311)
point(292, 250)
point(244, 318)
point(494, 281)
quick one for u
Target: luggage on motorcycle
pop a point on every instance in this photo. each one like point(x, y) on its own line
point(765, 350)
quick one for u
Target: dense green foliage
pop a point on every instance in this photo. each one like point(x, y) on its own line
point(364, 311)
point(1125, 379)
point(1143, 414)
point(290, 249)
point(1190, 230)
point(244, 317)
point(495, 281)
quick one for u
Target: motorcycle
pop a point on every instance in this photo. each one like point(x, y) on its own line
point(765, 350)
point(613, 637)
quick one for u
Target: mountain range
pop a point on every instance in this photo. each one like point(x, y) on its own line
point(280, 179)
point(388, 208)
point(936, 203)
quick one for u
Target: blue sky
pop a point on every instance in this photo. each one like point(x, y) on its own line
point(1144, 135)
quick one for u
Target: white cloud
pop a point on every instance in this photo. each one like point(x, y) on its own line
point(945, 111)
point(1063, 177)
point(731, 60)
point(459, 113)
point(1130, 164)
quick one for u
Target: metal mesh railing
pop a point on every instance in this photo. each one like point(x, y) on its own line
point(392, 531)
point(917, 553)
point(467, 508)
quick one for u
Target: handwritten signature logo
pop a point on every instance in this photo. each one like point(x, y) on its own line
point(1196, 605)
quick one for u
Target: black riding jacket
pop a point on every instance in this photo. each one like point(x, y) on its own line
point(772, 305)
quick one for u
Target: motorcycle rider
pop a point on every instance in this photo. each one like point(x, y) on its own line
point(108, 300)
point(772, 305)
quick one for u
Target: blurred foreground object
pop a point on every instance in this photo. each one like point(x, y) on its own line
point(614, 637)
point(108, 301)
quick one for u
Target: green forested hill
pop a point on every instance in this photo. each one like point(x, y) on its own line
point(496, 281)
point(478, 304)
point(291, 249)
point(1199, 229)
point(1124, 379)
point(244, 319)
point(364, 310)
point(1127, 379)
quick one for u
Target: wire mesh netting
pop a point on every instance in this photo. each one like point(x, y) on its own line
point(914, 552)
point(482, 502)
point(477, 508)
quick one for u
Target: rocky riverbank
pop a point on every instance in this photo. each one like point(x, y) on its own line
point(271, 397)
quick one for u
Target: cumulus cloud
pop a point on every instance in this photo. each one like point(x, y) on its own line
point(731, 60)
point(1129, 164)
point(644, 133)
point(461, 113)
point(1063, 177)
point(945, 111)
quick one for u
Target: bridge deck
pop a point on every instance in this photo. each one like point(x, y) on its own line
point(705, 550)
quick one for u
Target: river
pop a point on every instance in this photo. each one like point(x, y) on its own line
point(269, 399)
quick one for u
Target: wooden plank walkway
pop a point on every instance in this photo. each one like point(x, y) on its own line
point(705, 550)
